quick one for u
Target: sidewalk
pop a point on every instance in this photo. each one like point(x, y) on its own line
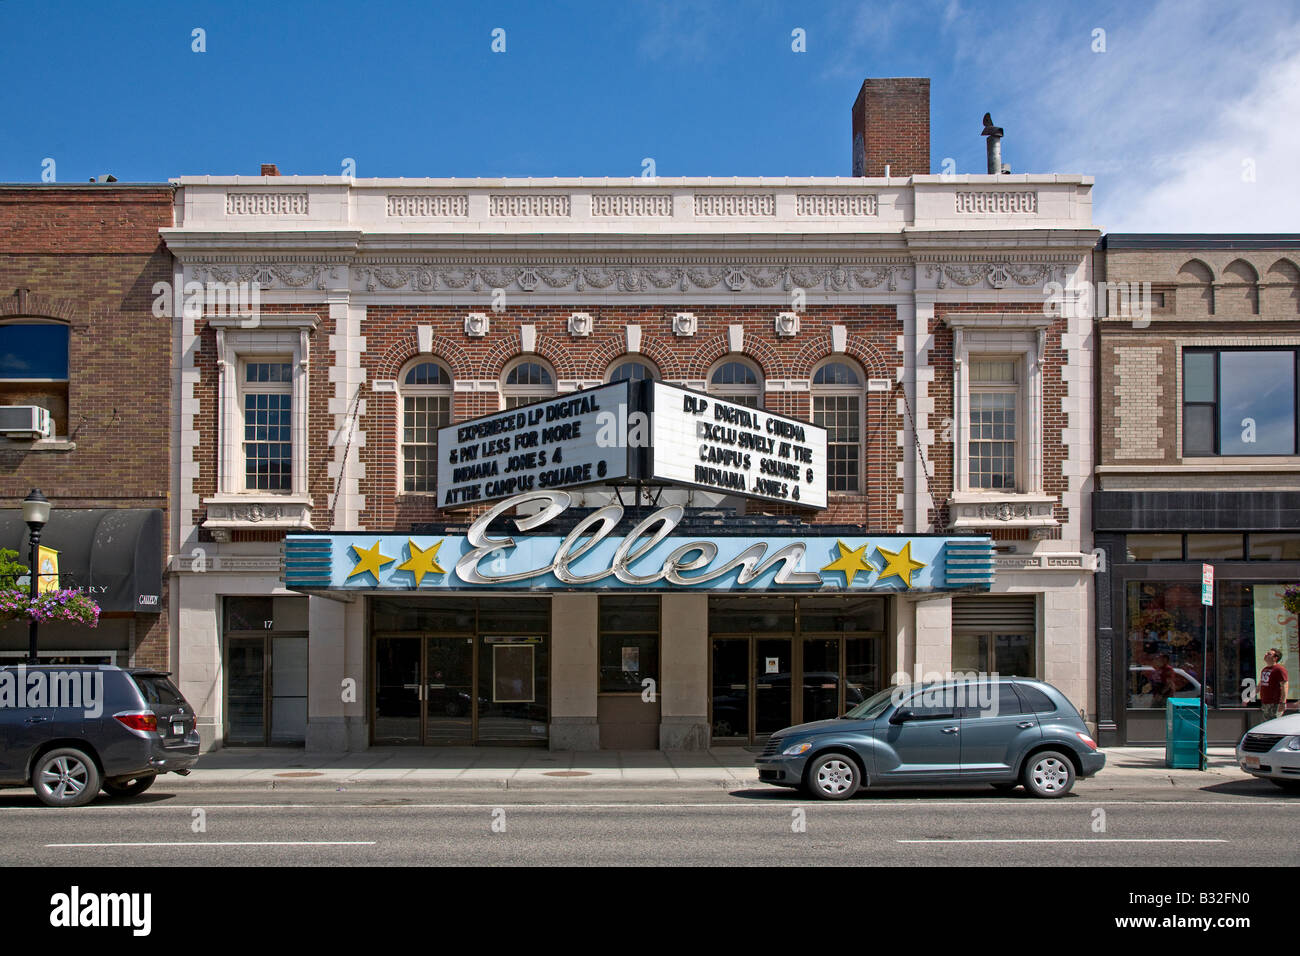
point(484, 768)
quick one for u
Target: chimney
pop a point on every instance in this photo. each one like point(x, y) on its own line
point(270, 169)
point(891, 127)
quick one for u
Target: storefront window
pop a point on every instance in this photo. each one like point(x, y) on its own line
point(629, 643)
point(1275, 547)
point(1165, 634)
point(1214, 547)
point(1252, 620)
point(1155, 547)
point(1239, 402)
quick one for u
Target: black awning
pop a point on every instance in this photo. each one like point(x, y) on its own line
point(112, 554)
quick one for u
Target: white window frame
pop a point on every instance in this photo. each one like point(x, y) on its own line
point(830, 391)
point(404, 392)
point(1001, 336)
point(239, 342)
point(528, 393)
point(729, 392)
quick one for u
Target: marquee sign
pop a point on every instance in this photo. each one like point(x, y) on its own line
point(632, 431)
point(702, 441)
point(563, 442)
point(649, 556)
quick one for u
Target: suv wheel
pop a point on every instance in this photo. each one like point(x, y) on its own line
point(129, 786)
point(65, 777)
point(833, 776)
point(1048, 774)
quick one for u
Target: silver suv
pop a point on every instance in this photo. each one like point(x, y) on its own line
point(1002, 731)
point(68, 731)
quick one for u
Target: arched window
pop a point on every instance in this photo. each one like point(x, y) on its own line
point(425, 392)
point(633, 370)
point(34, 368)
point(837, 403)
point(527, 380)
point(737, 380)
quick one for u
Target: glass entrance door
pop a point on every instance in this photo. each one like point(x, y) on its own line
point(424, 690)
point(449, 690)
point(399, 694)
point(731, 696)
point(821, 678)
point(773, 681)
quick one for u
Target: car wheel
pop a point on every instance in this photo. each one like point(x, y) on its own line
point(129, 786)
point(833, 776)
point(1291, 786)
point(65, 777)
point(1048, 774)
point(1005, 786)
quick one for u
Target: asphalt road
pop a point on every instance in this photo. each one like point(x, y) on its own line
point(1231, 824)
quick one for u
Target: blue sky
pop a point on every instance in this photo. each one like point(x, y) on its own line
point(1189, 116)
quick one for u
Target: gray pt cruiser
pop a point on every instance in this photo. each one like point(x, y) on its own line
point(1000, 731)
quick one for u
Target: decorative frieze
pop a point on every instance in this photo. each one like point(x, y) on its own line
point(983, 510)
point(528, 207)
point(836, 205)
point(997, 275)
point(999, 202)
point(266, 204)
point(419, 206)
point(734, 205)
point(632, 205)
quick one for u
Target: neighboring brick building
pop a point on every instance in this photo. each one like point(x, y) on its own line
point(906, 315)
point(1198, 463)
point(79, 338)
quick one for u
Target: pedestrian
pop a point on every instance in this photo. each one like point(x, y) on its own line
point(1273, 685)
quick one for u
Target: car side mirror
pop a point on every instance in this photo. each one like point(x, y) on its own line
point(900, 716)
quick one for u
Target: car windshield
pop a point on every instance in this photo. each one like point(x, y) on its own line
point(873, 706)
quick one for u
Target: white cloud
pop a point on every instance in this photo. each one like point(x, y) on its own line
point(1165, 117)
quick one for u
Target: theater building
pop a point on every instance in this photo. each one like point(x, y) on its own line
point(869, 448)
point(1197, 465)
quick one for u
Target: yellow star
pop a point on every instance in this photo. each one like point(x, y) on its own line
point(899, 564)
point(423, 562)
point(850, 561)
point(369, 559)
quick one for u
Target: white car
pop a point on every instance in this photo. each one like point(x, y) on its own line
point(1272, 750)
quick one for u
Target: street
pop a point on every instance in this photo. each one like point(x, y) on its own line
point(1234, 823)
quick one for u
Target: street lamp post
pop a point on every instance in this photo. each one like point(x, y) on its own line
point(36, 512)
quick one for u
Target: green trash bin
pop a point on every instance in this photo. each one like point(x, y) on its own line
point(1183, 733)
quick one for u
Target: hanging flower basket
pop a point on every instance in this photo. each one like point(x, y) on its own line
point(66, 605)
point(1291, 598)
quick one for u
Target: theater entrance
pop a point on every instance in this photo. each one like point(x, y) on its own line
point(453, 671)
point(782, 661)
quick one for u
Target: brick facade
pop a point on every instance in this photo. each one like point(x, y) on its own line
point(89, 256)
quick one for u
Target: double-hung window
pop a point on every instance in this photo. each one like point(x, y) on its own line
point(994, 423)
point(426, 393)
point(267, 402)
point(837, 400)
point(1239, 402)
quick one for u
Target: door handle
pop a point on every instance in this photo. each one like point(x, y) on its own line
point(950, 730)
point(36, 720)
point(1025, 724)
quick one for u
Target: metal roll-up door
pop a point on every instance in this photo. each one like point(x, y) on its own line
point(994, 613)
